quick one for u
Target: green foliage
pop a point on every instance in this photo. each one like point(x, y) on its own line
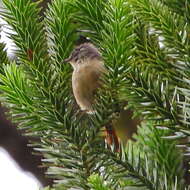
point(23, 18)
point(61, 31)
point(167, 24)
point(3, 55)
point(90, 16)
point(150, 78)
point(150, 53)
point(117, 44)
point(154, 143)
point(97, 183)
point(180, 7)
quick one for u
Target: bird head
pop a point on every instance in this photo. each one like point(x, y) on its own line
point(83, 53)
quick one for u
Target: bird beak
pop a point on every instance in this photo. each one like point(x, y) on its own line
point(67, 60)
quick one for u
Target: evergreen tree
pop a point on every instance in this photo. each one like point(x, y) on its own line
point(146, 50)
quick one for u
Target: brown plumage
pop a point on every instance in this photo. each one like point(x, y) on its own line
point(88, 67)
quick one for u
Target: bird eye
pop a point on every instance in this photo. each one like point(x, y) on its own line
point(82, 49)
point(75, 53)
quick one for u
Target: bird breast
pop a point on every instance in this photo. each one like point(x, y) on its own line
point(85, 80)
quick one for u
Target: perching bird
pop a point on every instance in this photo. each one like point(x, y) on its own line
point(88, 67)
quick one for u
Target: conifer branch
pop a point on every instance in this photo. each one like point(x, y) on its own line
point(90, 16)
point(154, 143)
point(3, 55)
point(167, 24)
point(23, 17)
point(61, 31)
point(38, 91)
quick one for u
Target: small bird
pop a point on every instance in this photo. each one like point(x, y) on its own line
point(88, 67)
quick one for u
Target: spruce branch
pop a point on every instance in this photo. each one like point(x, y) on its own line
point(71, 155)
point(171, 59)
point(23, 17)
point(117, 44)
point(167, 24)
point(17, 95)
point(49, 104)
point(183, 103)
point(41, 100)
point(61, 31)
point(134, 170)
point(180, 7)
point(97, 183)
point(151, 55)
point(154, 98)
point(167, 155)
point(129, 167)
point(90, 16)
point(3, 55)
point(72, 160)
point(33, 52)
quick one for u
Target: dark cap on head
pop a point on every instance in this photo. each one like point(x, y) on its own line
point(83, 51)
